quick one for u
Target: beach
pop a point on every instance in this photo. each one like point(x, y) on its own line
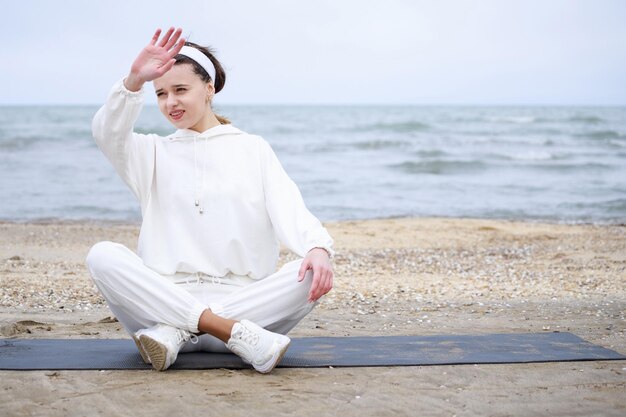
point(398, 276)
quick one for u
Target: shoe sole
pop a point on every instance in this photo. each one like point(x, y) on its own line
point(142, 351)
point(269, 366)
point(156, 352)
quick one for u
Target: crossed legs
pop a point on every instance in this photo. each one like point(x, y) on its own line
point(141, 298)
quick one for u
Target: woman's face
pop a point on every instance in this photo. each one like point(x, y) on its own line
point(183, 98)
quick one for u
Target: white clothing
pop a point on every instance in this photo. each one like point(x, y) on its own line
point(250, 204)
point(140, 297)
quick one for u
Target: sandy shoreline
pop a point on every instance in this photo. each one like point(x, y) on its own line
point(393, 276)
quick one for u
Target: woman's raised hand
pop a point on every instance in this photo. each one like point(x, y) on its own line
point(155, 59)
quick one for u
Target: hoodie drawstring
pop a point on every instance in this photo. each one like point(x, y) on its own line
point(199, 191)
point(201, 278)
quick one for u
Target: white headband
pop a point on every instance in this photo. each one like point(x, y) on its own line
point(200, 58)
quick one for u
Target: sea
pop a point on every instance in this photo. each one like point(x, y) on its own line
point(556, 164)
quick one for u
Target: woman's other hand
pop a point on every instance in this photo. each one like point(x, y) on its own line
point(318, 260)
point(155, 59)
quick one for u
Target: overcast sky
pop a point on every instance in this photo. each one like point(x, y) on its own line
point(330, 51)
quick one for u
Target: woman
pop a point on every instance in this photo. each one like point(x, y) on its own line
point(215, 203)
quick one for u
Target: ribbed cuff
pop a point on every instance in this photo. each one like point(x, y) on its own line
point(328, 249)
point(194, 317)
point(120, 86)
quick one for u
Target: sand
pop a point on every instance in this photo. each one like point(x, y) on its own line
point(393, 277)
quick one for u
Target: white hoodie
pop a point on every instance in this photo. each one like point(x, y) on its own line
point(249, 203)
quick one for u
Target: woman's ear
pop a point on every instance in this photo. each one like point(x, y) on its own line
point(210, 91)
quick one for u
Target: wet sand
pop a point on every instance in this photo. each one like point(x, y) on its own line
point(393, 277)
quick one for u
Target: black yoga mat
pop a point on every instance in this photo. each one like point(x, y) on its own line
point(54, 354)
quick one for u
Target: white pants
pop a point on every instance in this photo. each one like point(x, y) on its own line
point(140, 297)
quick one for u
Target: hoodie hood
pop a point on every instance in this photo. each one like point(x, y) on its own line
point(212, 132)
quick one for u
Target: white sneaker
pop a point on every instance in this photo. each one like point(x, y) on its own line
point(161, 344)
point(257, 346)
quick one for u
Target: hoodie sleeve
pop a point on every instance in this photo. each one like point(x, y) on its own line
point(131, 154)
point(295, 226)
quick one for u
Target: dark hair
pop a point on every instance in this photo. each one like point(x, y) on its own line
point(220, 74)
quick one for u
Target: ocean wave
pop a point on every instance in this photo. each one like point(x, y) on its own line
point(586, 119)
point(496, 139)
point(381, 144)
point(617, 206)
point(479, 119)
point(102, 211)
point(612, 206)
point(398, 127)
point(431, 153)
point(603, 134)
point(16, 143)
point(533, 131)
point(440, 167)
point(25, 140)
point(157, 130)
point(512, 119)
point(526, 120)
point(531, 155)
point(572, 167)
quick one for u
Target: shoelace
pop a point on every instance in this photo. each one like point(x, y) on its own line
point(248, 336)
point(183, 336)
